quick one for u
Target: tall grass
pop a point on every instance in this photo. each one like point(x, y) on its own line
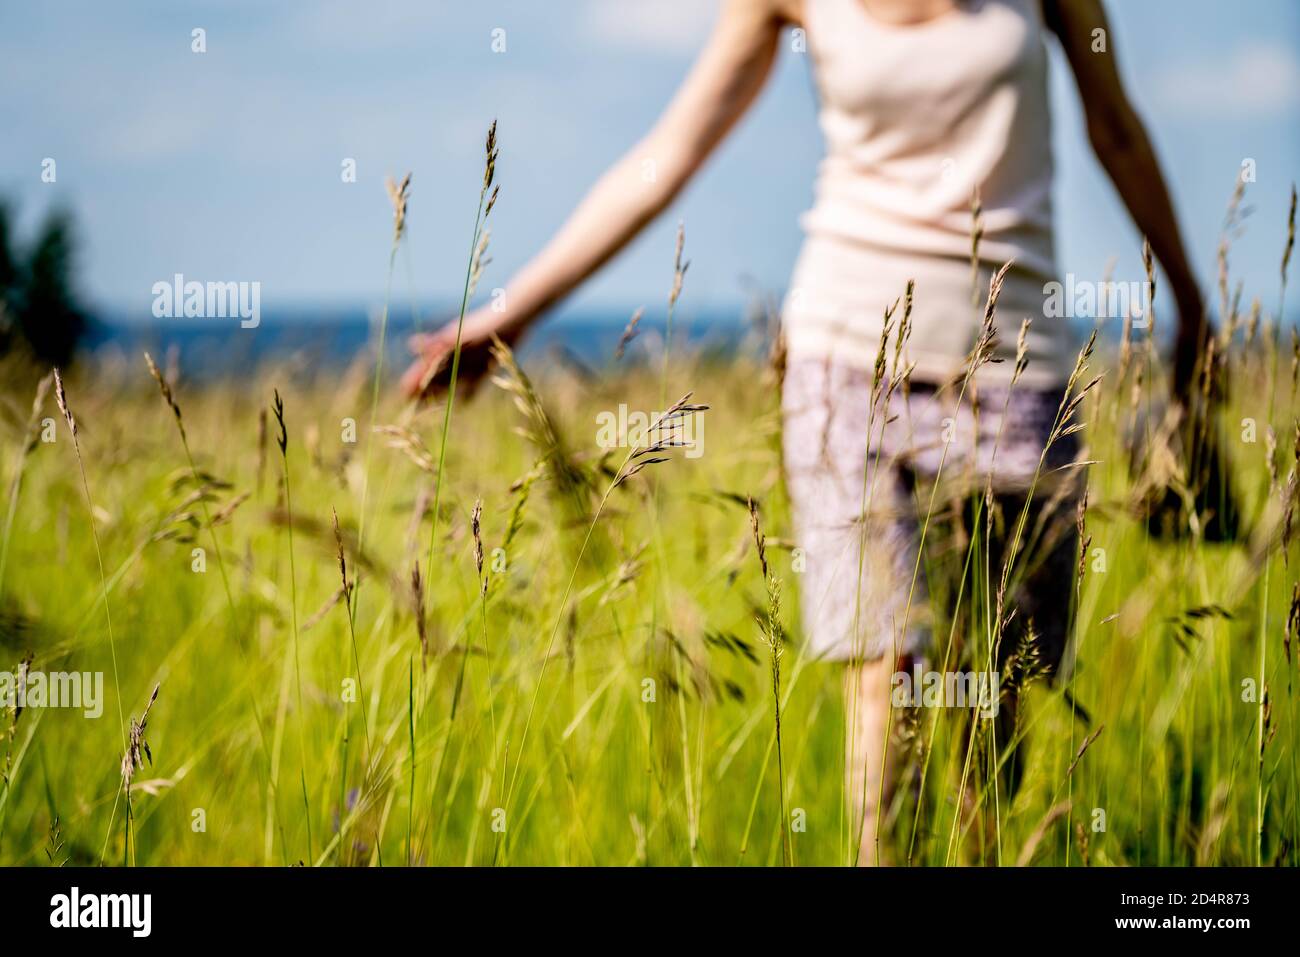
point(558, 699)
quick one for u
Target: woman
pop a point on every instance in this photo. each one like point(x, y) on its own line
point(924, 105)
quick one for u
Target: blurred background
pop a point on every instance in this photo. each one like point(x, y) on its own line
point(226, 164)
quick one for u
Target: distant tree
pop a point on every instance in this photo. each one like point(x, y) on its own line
point(37, 302)
point(8, 282)
point(50, 319)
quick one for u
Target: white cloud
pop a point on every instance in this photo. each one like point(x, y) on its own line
point(1257, 79)
point(672, 27)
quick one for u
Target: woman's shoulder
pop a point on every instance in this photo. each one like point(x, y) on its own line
point(784, 12)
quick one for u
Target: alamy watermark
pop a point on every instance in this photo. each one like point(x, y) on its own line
point(74, 909)
point(622, 429)
point(1086, 299)
point(53, 689)
point(208, 300)
point(946, 689)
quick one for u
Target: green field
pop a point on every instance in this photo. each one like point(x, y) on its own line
point(606, 697)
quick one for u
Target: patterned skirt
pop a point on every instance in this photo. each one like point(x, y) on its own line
point(860, 508)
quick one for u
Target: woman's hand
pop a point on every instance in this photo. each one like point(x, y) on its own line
point(1122, 146)
point(723, 83)
point(430, 373)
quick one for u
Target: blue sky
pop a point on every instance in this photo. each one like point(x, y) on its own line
point(225, 165)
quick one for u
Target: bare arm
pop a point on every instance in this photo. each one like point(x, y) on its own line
point(720, 87)
point(1121, 144)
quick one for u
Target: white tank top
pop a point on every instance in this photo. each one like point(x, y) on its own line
point(915, 118)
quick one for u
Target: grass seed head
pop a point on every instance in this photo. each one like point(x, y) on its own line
point(397, 195)
point(476, 528)
point(1290, 236)
point(629, 333)
point(679, 268)
point(61, 397)
point(417, 601)
point(490, 164)
point(341, 555)
point(282, 439)
point(165, 388)
point(760, 540)
point(137, 749)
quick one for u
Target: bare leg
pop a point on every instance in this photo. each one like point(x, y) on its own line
point(870, 759)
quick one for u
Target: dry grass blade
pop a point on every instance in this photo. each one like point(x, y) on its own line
point(1054, 814)
point(571, 482)
point(521, 488)
point(227, 510)
point(480, 259)
point(319, 614)
point(32, 438)
point(411, 445)
point(1087, 743)
point(773, 635)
